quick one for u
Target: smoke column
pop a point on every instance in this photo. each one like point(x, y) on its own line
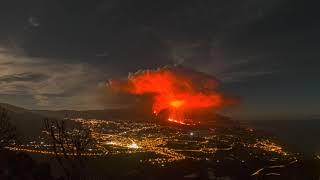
point(176, 89)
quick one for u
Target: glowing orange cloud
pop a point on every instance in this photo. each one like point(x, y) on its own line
point(177, 103)
point(175, 89)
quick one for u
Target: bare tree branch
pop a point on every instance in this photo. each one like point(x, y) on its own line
point(68, 145)
point(7, 130)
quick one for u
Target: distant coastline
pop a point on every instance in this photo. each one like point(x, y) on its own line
point(301, 134)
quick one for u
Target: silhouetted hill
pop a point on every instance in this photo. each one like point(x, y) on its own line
point(27, 122)
point(13, 108)
point(110, 114)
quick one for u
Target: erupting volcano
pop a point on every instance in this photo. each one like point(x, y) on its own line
point(177, 90)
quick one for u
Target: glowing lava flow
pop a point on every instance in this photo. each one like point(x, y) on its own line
point(175, 89)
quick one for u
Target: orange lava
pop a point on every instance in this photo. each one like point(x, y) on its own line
point(174, 90)
point(180, 122)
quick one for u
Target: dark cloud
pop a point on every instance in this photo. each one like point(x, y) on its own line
point(240, 42)
point(23, 77)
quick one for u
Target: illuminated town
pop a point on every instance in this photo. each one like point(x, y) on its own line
point(167, 144)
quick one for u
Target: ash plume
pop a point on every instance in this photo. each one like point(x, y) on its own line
point(174, 88)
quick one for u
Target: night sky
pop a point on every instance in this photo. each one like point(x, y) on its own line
point(58, 54)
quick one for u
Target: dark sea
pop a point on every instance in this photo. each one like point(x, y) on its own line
point(303, 135)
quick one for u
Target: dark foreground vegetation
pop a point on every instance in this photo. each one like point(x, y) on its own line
point(20, 166)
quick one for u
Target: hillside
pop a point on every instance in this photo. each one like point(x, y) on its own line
point(27, 122)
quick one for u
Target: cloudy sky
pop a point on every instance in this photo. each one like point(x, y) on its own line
point(57, 54)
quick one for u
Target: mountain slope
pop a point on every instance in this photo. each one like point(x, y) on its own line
point(26, 122)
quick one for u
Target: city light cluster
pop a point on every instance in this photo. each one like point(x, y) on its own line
point(167, 144)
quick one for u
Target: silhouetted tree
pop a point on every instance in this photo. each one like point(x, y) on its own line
point(68, 145)
point(7, 130)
